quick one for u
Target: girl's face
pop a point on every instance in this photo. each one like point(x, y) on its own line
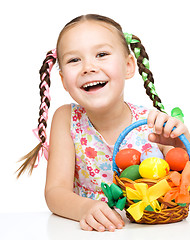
point(94, 64)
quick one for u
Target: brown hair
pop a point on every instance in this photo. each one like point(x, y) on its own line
point(148, 80)
point(31, 157)
point(93, 17)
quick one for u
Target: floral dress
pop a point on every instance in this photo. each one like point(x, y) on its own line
point(93, 162)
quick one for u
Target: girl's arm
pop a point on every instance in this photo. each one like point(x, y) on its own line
point(59, 194)
point(164, 136)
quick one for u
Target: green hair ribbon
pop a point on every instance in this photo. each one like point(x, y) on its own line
point(114, 195)
point(137, 52)
point(144, 76)
point(145, 62)
point(129, 38)
point(177, 113)
point(153, 90)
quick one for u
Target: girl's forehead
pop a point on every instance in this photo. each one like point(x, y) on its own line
point(89, 31)
point(90, 23)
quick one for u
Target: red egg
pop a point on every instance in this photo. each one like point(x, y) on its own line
point(177, 159)
point(127, 157)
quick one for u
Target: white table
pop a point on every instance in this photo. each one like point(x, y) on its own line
point(34, 226)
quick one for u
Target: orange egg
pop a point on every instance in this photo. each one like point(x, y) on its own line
point(127, 157)
point(177, 158)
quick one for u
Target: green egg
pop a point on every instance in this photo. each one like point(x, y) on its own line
point(132, 172)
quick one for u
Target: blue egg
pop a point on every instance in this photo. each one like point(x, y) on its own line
point(151, 152)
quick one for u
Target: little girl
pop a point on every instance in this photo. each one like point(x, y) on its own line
point(94, 61)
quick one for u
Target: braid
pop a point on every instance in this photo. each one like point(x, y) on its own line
point(143, 65)
point(30, 158)
point(44, 93)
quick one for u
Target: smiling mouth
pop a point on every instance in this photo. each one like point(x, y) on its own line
point(94, 86)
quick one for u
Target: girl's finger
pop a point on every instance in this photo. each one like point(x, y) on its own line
point(119, 216)
point(115, 218)
point(152, 118)
point(170, 124)
point(91, 221)
point(180, 129)
point(160, 120)
point(104, 220)
point(84, 226)
point(160, 139)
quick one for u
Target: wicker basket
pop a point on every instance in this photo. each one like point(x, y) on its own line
point(170, 211)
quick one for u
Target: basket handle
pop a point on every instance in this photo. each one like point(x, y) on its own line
point(130, 128)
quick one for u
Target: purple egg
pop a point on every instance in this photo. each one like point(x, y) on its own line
point(151, 152)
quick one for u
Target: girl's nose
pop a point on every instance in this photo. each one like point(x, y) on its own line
point(89, 67)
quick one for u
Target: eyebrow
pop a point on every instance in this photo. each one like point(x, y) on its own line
point(95, 47)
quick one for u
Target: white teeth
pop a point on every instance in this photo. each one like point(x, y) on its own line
point(92, 84)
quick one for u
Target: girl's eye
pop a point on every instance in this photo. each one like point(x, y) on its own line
point(73, 60)
point(102, 54)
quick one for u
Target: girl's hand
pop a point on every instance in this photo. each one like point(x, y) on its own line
point(98, 216)
point(165, 135)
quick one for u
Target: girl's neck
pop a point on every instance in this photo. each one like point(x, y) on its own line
point(111, 122)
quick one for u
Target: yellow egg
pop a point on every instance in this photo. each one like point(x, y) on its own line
point(154, 168)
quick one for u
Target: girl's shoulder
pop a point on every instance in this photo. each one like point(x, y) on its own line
point(62, 114)
point(65, 113)
point(64, 109)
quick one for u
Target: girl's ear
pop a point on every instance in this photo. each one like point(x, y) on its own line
point(62, 80)
point(130, 70)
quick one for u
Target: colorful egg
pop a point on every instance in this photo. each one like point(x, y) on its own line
point(132, 172)
point(177, 158)
point(151, 152)
point(127, 157)
point(154, 168)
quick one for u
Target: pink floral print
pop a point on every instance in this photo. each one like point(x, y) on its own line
point(93, 163)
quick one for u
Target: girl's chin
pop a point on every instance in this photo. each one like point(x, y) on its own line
point(99, 106)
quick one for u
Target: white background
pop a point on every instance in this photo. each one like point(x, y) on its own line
point(30, 28)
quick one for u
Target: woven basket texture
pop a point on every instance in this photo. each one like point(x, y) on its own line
point(171, 212)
